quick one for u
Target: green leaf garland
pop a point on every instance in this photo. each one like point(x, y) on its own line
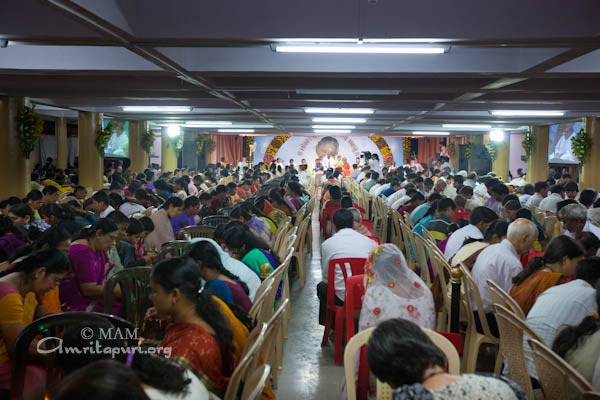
point(527, 144)
point(30, 127)
point(103, 137)
point(581, 144)
point(148, 140)
point(492, 149)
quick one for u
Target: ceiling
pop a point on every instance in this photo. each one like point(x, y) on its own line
point(218, 58)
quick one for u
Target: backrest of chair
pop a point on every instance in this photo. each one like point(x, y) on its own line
point(240, 371)
point(255, 382)
point(259, 331)
point(274, 324)
point(135, 287)
point(215, 220)
point(472, 297)
point(447, 348)
point(200, 231)
point(549, 223)
point(499, 296)
point(357, 266)
point(352, 348)
point(267, 308)
point(260, 297)
point(420, 254)
point(428, 236)
point(355, 290)
point(555, 374)
point(172, 249)
point(511, 329)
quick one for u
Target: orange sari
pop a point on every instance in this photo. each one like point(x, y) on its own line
point(528, 291)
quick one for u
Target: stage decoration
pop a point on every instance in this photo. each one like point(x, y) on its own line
point(30, 128)
point(527, 144)
point(388, 159)
point(103, 137)
point(581, 144)
point(204, 142)
point(273, 148)
point(148, 140)
point(468, 151)
point(492, 149)
point(406, 148)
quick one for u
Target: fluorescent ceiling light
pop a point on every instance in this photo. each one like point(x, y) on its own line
point(207, 123)
point(333, 126)
point(430, 133)
point(466, 126)
point(236, 130)
point(332, 131)
point(156, 109)
point(350, 92)
point(527, 113)
point(317, 40)
point(321, 110)
point(173, 130)
point(497, 135)
point(358, 49)
point(340, 120)
point(404, 40)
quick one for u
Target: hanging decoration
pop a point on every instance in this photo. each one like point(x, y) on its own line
point(581, 144)
point(148, 140)
point(468, 151)
point(30, 128)
point(274, 146)
point(492, 149)
point(103, 137)
point(406, 148)
point(388, 159)
point(527, 144)
point(204, 142)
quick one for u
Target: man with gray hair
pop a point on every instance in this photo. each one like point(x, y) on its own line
point(574, 217)
point(500, 263)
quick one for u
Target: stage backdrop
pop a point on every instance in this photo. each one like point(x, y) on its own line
point(310, 148)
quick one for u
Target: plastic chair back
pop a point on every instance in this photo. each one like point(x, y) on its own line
point(200, 231)
point(215, 220)
point(172, 249)
point(255, 382)
point(556, 376)
point(499, 296)
point(355, 291)
point(259, 299)
point(135, 287)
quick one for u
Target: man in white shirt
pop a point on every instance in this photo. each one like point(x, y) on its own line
point(563, 305)
point(527, 191)
point(101, 204)
point(345, 243)
point(362, 174)
point(500, 263)
point(541, 191)
point(404, 199)
point(398, 194)
point(574, 219)
point(550, 202)
point(481, 217)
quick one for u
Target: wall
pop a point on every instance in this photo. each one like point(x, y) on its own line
point(516, 151)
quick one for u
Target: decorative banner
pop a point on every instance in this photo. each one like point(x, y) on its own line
point(269, 148)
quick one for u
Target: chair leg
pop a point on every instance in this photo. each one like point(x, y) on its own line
point(339, 336)
point(499, 361)
point(328, 322)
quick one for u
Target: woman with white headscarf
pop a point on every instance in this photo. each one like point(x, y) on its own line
point(236, 267)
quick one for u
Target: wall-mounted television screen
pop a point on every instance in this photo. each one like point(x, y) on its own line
point(560, 150)
point(118, 145)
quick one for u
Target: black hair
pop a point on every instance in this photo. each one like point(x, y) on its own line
point(221, 189)
point(500, 189)
point(54, 260)
point(205, 196)
point(466, 190)
point(570, 337)
point(115, 200)
point(34, 195)
point(434, 197)
point(172, 201)
point(343, 219)
point(539, 186)
point(512, 205)
point(335, 192)
point(7, 227)
point(459, 179)
point(559, 247)
point(237, 236)
point(346, 202)
point(588, 269)
point(524, 213)
point(22, 210)
point(564, 203)
point(155, 371)
point(482, 214)
point(101, 197)
point(148, 224)
point(220, 231)
point(399, 353)
point(134, 227)
point(295, 187)
point(374, 175)
point(557, 189)
point(182, 273)
point(103, 225)
point(417, 197)
point(571, 187)
point(106, 379)
point(51, 238)
point(587, 197)
point(118, 217)
point(445, 204)
point(510, 197)
point(191, 201)
point(241, 210)
point(498, 228)
point(50, 190)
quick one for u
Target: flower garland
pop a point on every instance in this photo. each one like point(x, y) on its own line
point(406, 148)
point(30, 128)
point(273, 148)
point(527, 144)
point(467, 153)
point(103, 137)
point(388, 158)
point(581, 144)
point(148, 140)
point(492, 149)
point(204, 142)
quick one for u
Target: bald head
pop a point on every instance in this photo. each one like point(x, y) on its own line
point(522, 233)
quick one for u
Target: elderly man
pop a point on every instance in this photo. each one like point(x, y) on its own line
point(575, 220)
point(500, 263)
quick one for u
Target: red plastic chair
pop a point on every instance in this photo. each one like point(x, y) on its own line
point(357, 266)
point(373, 238)
point(355, 291)
point(367, 224)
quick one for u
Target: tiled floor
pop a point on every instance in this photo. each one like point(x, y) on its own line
point(309, 371)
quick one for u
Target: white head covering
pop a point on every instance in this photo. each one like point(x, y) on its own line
point(236, 267)
point(462, 173)
point(394, 291)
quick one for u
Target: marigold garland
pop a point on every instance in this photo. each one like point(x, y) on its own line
point(581, 144)
point(30, 128)
point(406, 148)
point(273, 148)
point(388, 158)
point(103, 137)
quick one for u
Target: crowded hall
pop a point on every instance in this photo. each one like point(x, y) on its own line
point(357, 200)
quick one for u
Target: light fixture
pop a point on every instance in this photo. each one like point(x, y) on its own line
point(207, 123)
point(403, 40)
point(334, 126)
point(497, 135)
point(351, 92)
point(321, 110)
point(430, 133)
point(332, 131)
point(466, 126)
point(236, 130)
point(357, 49)
point(173, 130)
point(340, 120)
point(156, 109)
point(317, 40)
point(527, 113)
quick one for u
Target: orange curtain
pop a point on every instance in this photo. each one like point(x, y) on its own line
point(428, 147)
point(230, 147)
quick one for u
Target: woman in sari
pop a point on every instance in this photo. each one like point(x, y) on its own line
point(294, 194)
point(243, 213)
point(163, 231)
point(275, 215)
point(83, 287)
point(280, 203)
point(199, 334)
point(555, 267)
point(252, 251)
